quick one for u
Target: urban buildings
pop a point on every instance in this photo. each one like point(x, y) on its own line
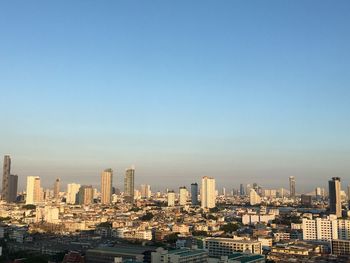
point(85, 195)
point(146, 191)
point(218, 247)
point(183, 194)
point(171, 198)
point(56, 189)
point(292, 187)
point(241, 190)
point(106, 186)
point(254, 198)
point(194, 194)
point(184, 255)
point(129, 185)
point(33, 190)
point(334, 197)
point(326, 229)
point(340, 247)
point(208, 196)
point(72, 192)
point(9, 182)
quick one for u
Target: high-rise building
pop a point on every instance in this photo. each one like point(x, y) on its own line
point(171, 198)
point(106, 186)
point(5, 178)
point(85, 195)
point(129, 185)
point(183, 193)
point(348, 193)
point(194, 194)
point(208, 196)
point(292, 187)
point(241, 190)
point(254, 198)
point(72, 192)
point(34, 191)
point(145, 191)
point(56, 189)
point(334, 197)
point(13, 184)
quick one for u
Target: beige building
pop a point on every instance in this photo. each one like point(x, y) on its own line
point(106, 186)
point(208, 196)
point(33, 190)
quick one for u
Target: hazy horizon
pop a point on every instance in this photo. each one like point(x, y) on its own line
point(243, 91)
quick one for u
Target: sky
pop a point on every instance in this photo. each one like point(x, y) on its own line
point(243, 91)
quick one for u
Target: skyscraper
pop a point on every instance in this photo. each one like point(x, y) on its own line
point(334, 197)
point(33, 190)
point(106, 186)
point(85, 195)
point(13, 184)
point(241, 190)
point(145, 191)
point(129, 185)
point(254, 198)
point(292, 187)
point(208, 196)
point(171, 198)
point(183, 193)
point(5, 177)
point(194, 194)
point(72, 191)
point(56, 189)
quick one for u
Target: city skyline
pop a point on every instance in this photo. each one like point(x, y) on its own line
point(121, 183)
point(230, 90)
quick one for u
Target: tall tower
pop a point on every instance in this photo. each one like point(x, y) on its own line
point(85, 195)
point(72, 192)
point(171, 198)
point(56, 189)
point(33, 190)
point(6, 177)
point(208, 196)
point(292, 186)
point(145, 191)
point(129, 185)
point(334, 197)
point(183, 193)
point(106, 186)
point(194, 194)
point(13, 184)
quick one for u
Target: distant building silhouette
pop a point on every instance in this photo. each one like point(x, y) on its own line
point(129, 187)
point(334, 197)
point(194, 194)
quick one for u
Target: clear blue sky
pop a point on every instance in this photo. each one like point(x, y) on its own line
point(244, 91)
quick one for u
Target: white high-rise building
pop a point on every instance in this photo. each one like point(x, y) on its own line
point(72, 191)
point(254, 198)
point(183, 194)
point(171, 198)
point(33, 190)
point(326, 229)
point(208, 196)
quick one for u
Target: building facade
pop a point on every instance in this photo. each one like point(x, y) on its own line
point(208, 196)
point(106, 186)
point(129, 186)
point(334, 197)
